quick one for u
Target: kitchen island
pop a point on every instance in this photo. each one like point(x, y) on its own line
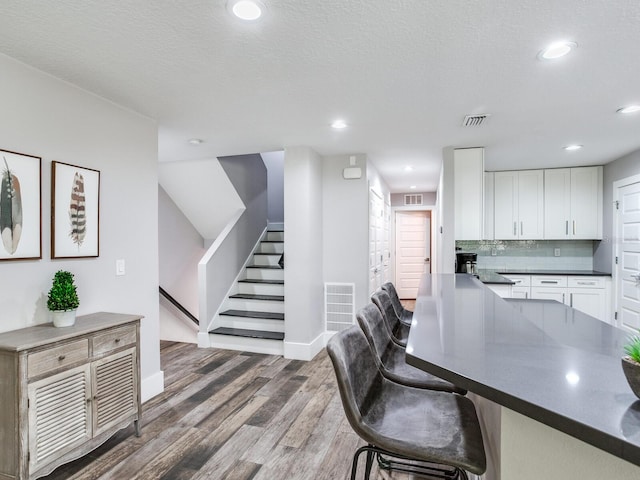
point(546, 380)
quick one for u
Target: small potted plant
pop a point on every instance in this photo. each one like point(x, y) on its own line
point(63, 299)
point(631, 363)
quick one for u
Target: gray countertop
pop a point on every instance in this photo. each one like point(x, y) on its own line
point(540, 358)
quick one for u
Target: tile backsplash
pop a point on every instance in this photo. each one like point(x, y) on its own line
point(531, 254)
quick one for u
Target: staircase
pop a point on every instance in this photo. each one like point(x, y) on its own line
point(252, 318)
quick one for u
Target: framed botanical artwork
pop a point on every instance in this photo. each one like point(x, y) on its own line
point(20, 206)
point(75, 211)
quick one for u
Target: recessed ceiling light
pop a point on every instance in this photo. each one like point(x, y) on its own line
point(571, 148)
point(408, 168)
point(339, 124)
point(412, 187)
point(195, 141)
point(557, 50)
point(629, 109)
point(246, 9)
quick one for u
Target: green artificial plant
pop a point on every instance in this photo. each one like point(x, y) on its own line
point(632, 348)
point(63, 295)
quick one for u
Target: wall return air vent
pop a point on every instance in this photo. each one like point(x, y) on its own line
point(475, 120)
point(339, 306)
point(413, 199)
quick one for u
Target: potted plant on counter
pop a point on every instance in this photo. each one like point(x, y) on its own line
point(63, 301)
point(631, 364)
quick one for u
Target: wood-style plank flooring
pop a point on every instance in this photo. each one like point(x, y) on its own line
point(234, 416)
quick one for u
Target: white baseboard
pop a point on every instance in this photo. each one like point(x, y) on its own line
point(203, 340)
point(304, 351)
point(152, 386)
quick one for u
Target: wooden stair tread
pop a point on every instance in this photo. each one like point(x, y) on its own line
point(252, 314)
point(255, 296)
point(240, 332)
point(258, 280)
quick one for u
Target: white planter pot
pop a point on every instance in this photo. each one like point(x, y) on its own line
point(63, 318)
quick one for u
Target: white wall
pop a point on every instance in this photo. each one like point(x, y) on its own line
point(304, 329)
point(203, 192)
point(274, 161)
point(345, 226)
point(46, 117)
point(445, 223)
point(180, 249)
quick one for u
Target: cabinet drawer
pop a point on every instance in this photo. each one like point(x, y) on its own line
point(519, 280)
point(56, 357)
point(587, 282)
point(548, 281)
point(113, 339)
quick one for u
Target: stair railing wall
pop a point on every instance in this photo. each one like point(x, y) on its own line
point(220, 266)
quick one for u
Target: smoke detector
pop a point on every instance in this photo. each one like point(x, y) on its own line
point(475, 120)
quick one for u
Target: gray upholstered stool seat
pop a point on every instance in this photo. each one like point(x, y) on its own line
point(399, 331)
point(400, 421)
point(390, 357)
point(405, 315)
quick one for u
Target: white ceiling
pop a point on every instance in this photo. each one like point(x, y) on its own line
point(402, 73)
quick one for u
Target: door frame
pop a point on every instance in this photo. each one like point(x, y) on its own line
point(392, 234)
point(615, 268)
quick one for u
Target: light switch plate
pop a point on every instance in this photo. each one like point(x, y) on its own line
point(120, 267)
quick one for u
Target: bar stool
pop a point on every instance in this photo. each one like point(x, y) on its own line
point(437, 429)
point(398, 331)
point(390, 357)
point(405, 315)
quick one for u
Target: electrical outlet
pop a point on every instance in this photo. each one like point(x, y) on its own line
point(556, 252)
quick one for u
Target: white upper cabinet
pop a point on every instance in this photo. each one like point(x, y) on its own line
point(469, 193)
point(519, 205)
point(573, 203)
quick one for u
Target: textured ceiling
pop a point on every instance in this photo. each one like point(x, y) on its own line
point(402, 73)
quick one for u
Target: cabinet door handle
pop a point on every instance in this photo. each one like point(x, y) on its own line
point(571, 299)
point(515, 228)
point(566, 227)
point(574, 227)
point(586, 283)
point(521, 228)
point(526, 295)
point(563, 298)
point(551, 282)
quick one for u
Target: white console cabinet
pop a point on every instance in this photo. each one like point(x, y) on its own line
point(64, 391)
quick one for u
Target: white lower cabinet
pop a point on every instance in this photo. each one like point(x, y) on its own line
point(588, 294)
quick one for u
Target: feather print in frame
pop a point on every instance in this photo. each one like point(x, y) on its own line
point(77, 212)
point(10, 210)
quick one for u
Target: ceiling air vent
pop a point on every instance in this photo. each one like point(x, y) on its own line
point(475, 120)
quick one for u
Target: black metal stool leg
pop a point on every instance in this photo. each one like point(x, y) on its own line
point(370, 454)
point(354, 464)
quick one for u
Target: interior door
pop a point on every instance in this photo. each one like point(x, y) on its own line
point(628, 255)
point(376, 241)
point(413, 251)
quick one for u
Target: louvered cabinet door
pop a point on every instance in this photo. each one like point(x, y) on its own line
point(115, 390)
point(59, 415)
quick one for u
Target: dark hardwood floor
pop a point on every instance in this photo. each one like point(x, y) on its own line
point(234, 416)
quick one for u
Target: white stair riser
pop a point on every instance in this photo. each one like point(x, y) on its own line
point(265, 274)
point(277, 236)
point(260, 288)
point(253, 305)
point(252, 323)
point(266, 259)
point(255, 345)
point(271, 248)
